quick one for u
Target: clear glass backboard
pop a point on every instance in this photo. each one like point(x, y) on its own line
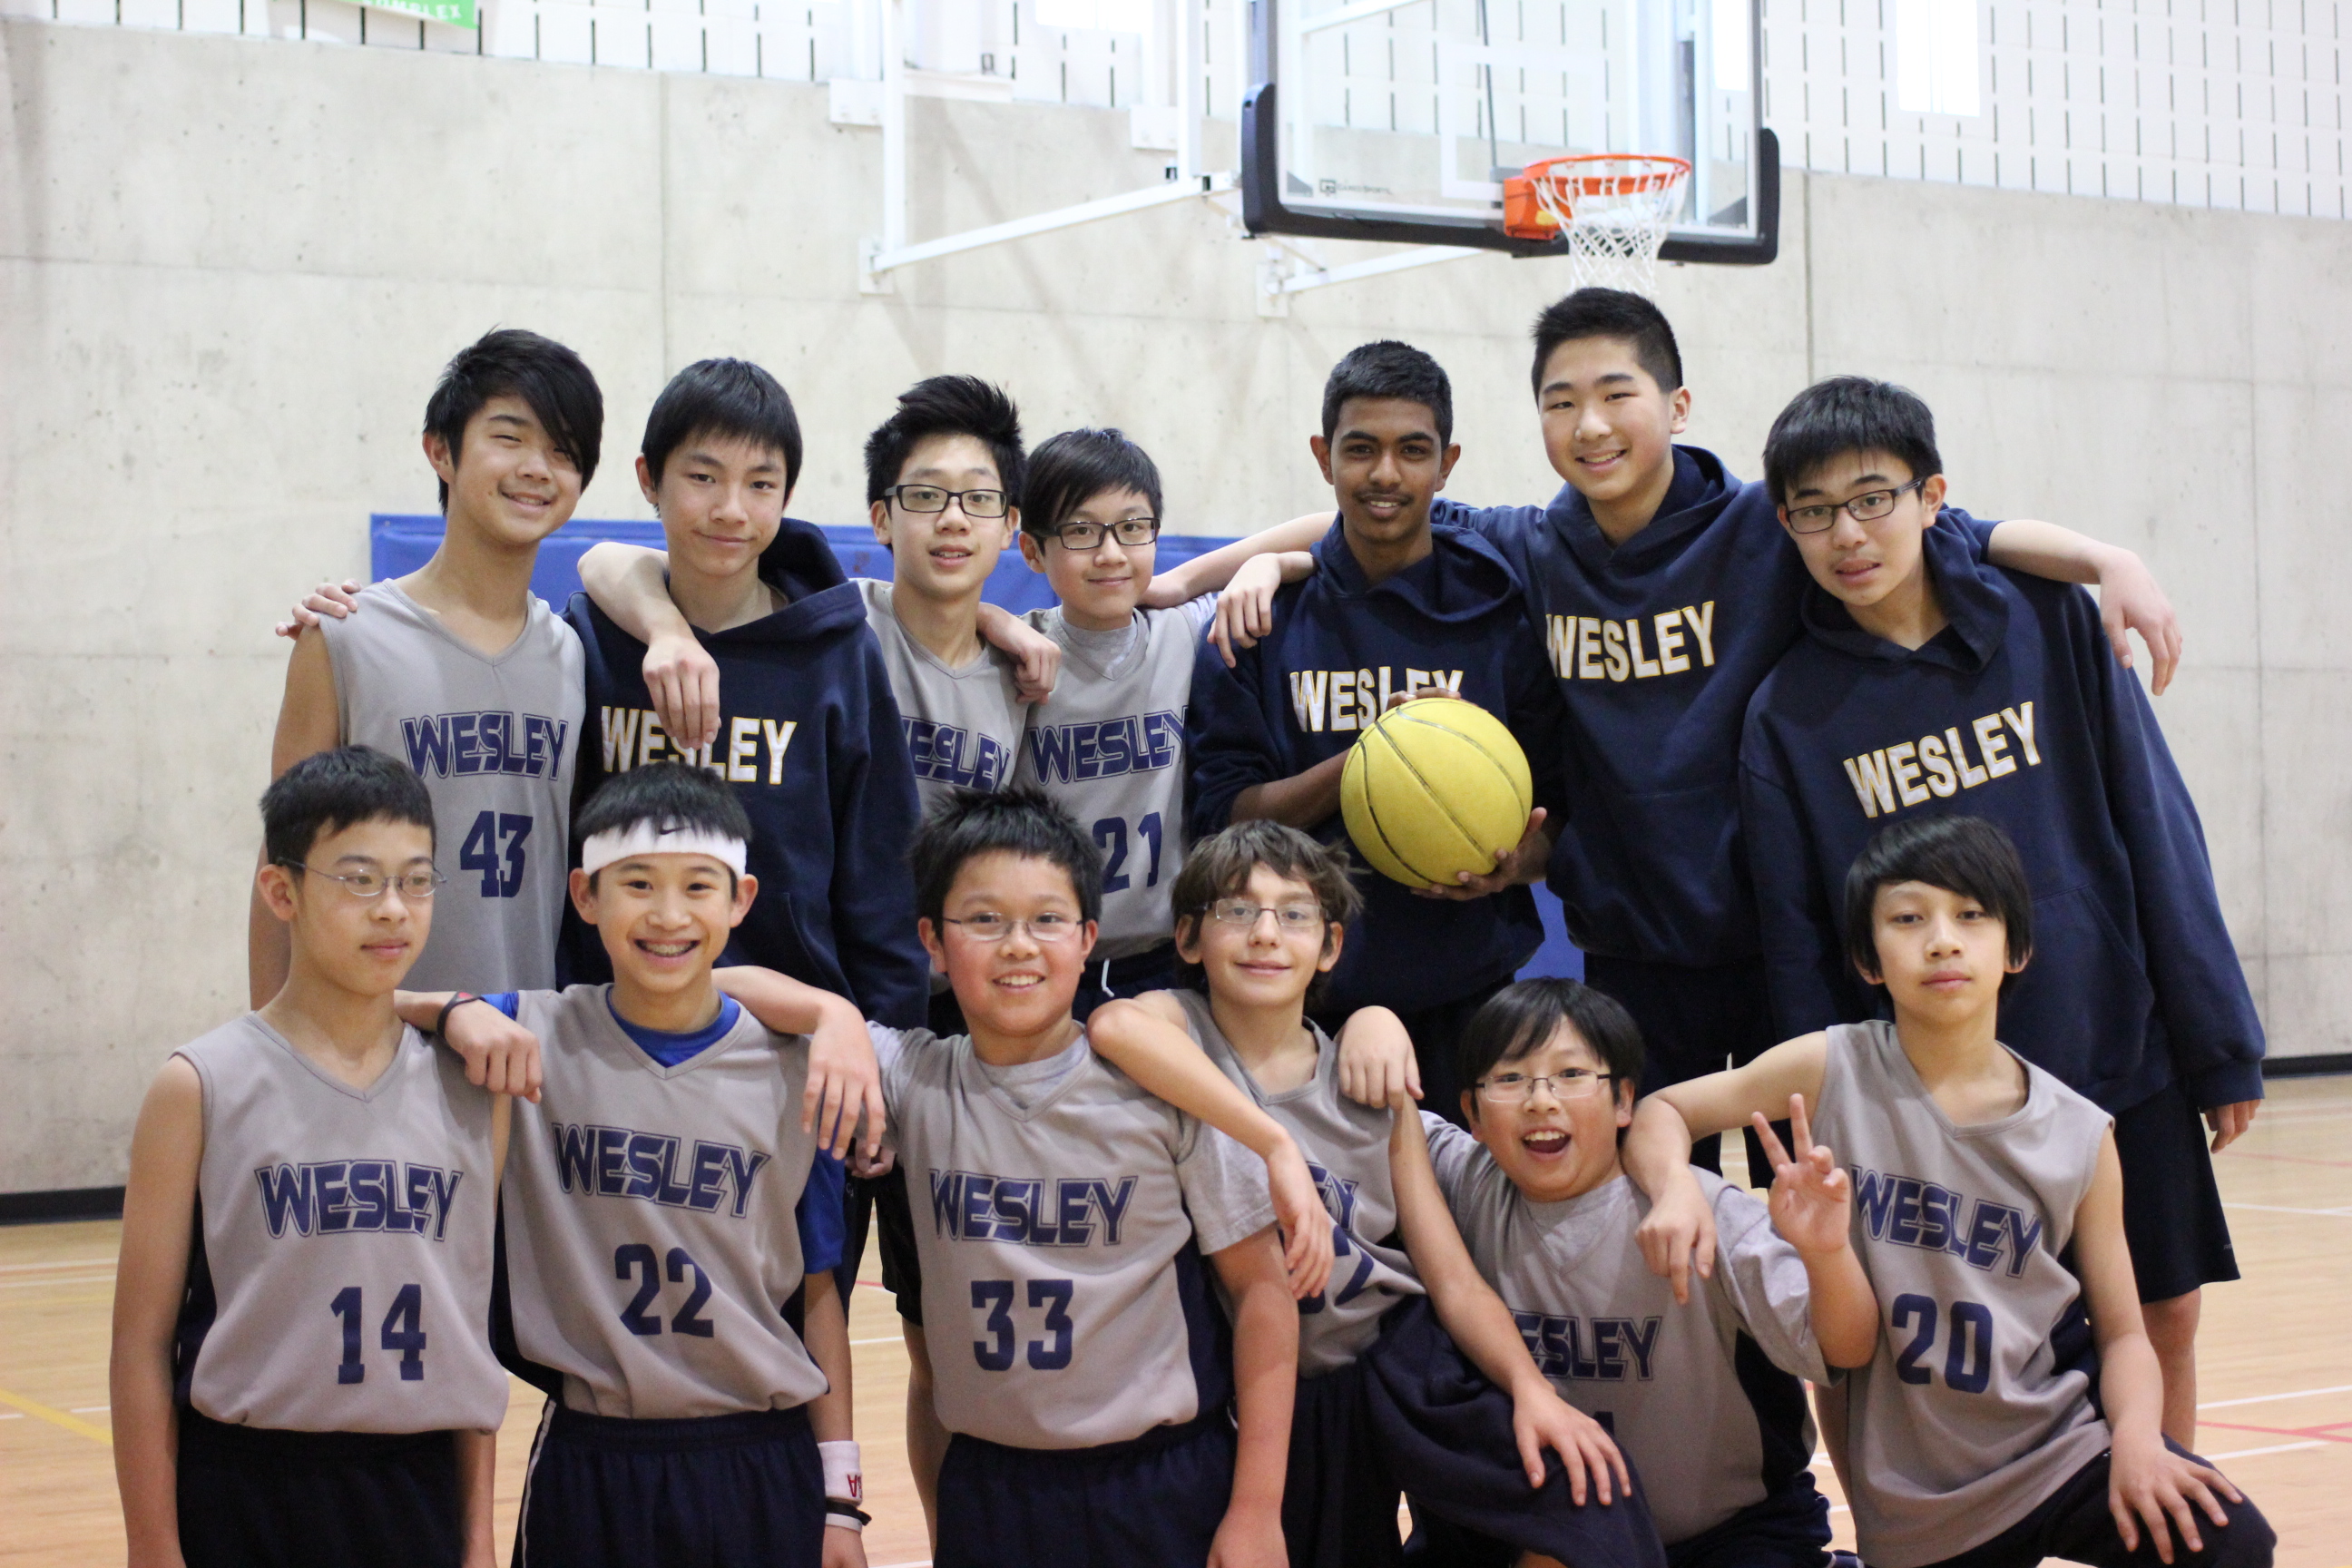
point(1399, 120)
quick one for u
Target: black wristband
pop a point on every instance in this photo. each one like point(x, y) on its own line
point(441, 1019)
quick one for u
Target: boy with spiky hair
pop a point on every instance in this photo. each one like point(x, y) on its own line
point(1987, 1212)
point(1397, 608)
point(657, 1284)
point(1930, 681)
point(1386, 1401)
point(458, 669)
point(301, 1369)
point(810, 740)
point(1663, 594)
point(1108, 743)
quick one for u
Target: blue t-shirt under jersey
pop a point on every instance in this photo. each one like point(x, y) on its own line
point(819, 1215)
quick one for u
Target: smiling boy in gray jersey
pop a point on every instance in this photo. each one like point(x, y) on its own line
point(1704, 1398)
point(1385, 1399)
point(1988, 1215)
point(1109, 744)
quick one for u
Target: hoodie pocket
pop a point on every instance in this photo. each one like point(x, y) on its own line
point(2081, 1008)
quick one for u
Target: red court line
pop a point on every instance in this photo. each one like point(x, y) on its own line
point(2282, 1159)
point(2316, 1434)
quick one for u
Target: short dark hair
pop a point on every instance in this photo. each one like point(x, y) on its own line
point(1965, 855)
point(1070, 469)
point(1521, 1016)
point(669, 794)
point(508, 361)
point(946, 405)
point(1023, 821)
point(1848, 414)
point(330, 791)
point(724, 399)
point(1218, 867)
point(1389, 369)
point(1610, 313)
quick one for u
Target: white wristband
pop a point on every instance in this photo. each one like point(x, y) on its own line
point(849, 1522)
point(844, 1478)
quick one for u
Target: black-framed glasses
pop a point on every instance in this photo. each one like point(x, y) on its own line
point(1047, 928)
point(1127, 530)
point(1289, 917)
point(421, 884)
point(931, 498)
point(1569, 1083)
point(1867, 506)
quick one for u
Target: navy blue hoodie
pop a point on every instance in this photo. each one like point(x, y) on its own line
point(2015, 712)
point(810, 740)
point(1302, 694)
point(1656, 645)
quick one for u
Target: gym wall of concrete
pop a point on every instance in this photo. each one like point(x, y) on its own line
point(232, 268)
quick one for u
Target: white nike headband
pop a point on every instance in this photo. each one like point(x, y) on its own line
point(645, 837)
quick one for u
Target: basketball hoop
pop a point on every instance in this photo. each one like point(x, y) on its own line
point(1613, 208)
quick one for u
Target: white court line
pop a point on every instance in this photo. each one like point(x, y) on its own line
point(91, 1409)
point(2266, 1398)
point(2276, 1208)
point(61, 1263)
point(893, 1340)
point(925, 1562)
point(2250, 1453)
point(55, 1280)
point(11, 1416)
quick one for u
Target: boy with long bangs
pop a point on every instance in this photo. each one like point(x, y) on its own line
point(1931, 682)
point(1704, 1399)
point(1108, 743)
point(1261, 914)
point(1988, 1215)
point(300, 1373)
point(1397, 608)
point(461, 671)
point(657, 1282)
point(1662, 596)
point(1103, 1414)
point(811, 741)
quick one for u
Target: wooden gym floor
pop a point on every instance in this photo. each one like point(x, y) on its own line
point(2275, 1353)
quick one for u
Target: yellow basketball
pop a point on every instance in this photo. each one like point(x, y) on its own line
point(1437, 788)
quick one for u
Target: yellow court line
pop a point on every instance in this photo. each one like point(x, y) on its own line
point(73, 1424)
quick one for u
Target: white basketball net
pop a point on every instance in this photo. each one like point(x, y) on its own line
point(1616, 211)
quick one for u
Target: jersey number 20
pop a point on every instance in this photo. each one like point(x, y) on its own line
point(1968, 1357)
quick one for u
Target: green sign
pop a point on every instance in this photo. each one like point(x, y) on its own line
point(454, 13)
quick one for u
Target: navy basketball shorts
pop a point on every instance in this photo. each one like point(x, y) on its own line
point(1434, 1032)
point(1413, 1405)
point(722, 1491)
point(2074, 1523)
point(1790, 1529)
point(2179, 1238)
point(1435, 1421)
point(1154, 1503)
point(251, 1496)
point(1693, 1022)
point(872, 1203)
point(1113, 978)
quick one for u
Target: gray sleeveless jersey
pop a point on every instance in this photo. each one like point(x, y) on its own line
point(651, 1249)
point(962, 726)
point(1710, 1429)
point(1346, 1149)
point(493, 737)
point(1063, 1305)
point(1969, 1417)
point(347, 1232)
point(1108, 745)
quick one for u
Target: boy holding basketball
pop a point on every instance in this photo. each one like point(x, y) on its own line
point(1396, 608)
point(1385, 1401)
point(300, 1372)
point(1987, 1211)
point(461, 671)
point(657, 1284)
point(1663, 594)
point(1931, 682)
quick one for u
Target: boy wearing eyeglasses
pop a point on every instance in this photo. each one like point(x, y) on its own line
point(1108, 745)
point(1930, 682)
point(301, 1368)
point(1703, 1396)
